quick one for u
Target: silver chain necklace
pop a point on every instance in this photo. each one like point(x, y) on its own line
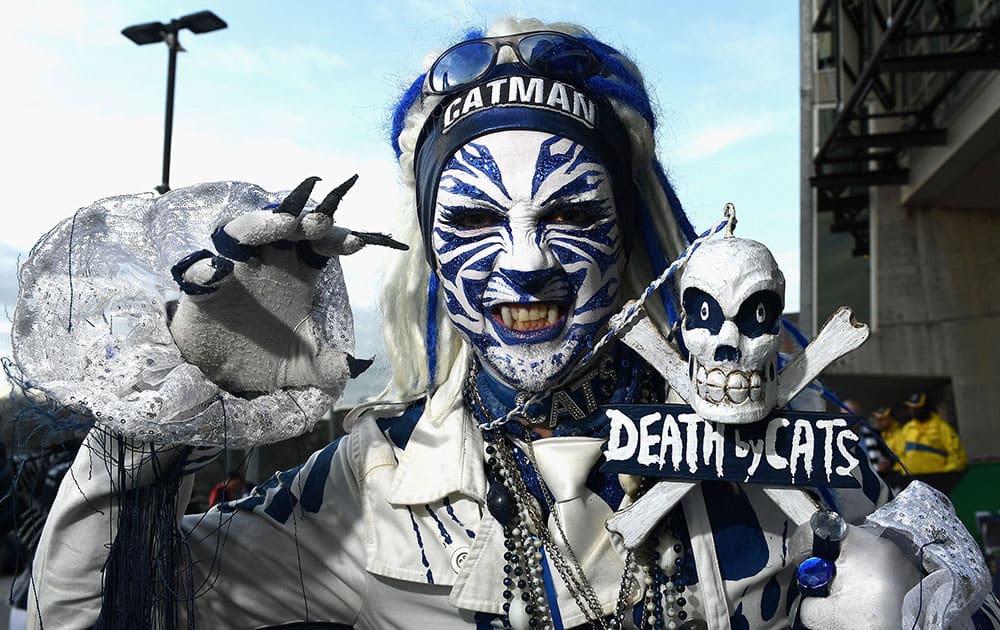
point(568, 566)
point(527, 538)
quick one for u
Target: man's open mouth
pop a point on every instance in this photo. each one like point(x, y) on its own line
point(530, 321)
point(527, 317)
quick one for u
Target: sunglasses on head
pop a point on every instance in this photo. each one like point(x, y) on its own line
point(550, 53)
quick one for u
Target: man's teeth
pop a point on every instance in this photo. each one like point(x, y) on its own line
point(529, 316)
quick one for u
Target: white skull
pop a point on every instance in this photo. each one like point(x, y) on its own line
point(732, 294)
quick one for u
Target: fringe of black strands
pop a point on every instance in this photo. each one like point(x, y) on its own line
point(148, 572)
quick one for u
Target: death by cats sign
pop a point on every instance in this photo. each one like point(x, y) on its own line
point(788, 448)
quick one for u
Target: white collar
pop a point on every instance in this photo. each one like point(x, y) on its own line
point(444, 454)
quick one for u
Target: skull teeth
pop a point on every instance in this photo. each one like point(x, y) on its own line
point(715, 386)
point(756, 386)
point(736, 386)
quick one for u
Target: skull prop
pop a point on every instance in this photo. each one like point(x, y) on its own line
point(732, 294)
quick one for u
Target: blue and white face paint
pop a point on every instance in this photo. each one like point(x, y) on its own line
point(528, 250)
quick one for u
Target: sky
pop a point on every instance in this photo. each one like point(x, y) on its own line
point(304, 88)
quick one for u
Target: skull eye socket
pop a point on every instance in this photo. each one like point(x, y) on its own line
point(702, 311)
point(759, 314)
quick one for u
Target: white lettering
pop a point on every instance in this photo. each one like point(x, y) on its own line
point(647, 441)
point(827, 427)
point(521, 90)
point(584, 108)
point(452, 111)
point(558, 96)
point(494, 87)
point(846, 453)
point(744, 448)
point(714, 444)
point(473, 100)
point(671, 438)
point(776, 461)
point(520, 93)
point(618, 451)
point(691, 451)
point(803, 447)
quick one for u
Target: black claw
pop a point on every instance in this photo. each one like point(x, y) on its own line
point(377, 238)
point(329, 205)
point(357, 366)
point(296, 200)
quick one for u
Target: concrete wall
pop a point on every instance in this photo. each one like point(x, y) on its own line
point(938, 304)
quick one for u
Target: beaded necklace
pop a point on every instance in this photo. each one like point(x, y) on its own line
point(520, 502)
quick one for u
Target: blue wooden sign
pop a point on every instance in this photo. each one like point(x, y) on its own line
point(788, 448)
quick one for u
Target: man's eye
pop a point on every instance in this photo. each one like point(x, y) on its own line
point(473, 218)
point(576, 214)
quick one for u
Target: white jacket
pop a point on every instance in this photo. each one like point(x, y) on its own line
point(386, 528)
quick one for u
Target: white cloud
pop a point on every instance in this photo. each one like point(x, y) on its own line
point(62, 25)
point(65, 18)
point(711, 140)
point(457, 10)
point(53, 181)
point(301, 59)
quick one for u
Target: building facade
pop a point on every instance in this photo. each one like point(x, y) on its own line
point(901, 200)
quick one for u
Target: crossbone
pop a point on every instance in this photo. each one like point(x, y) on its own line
point(840, 335)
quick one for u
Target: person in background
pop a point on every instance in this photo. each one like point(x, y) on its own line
point(868, 436)
point(852, 406)
point(886, 452)
point(929, 444)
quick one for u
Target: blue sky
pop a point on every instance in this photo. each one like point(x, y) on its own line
point(304, 88)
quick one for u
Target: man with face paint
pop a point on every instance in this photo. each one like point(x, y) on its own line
point(470, 494)
point(528, 252)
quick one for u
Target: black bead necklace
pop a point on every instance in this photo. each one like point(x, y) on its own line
point(526, 539)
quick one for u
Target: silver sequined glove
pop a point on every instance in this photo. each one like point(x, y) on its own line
point(245, 316)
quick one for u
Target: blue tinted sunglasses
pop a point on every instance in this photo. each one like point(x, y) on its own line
point(551, 54)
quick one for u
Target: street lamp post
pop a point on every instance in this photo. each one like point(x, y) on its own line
point(152, 32)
